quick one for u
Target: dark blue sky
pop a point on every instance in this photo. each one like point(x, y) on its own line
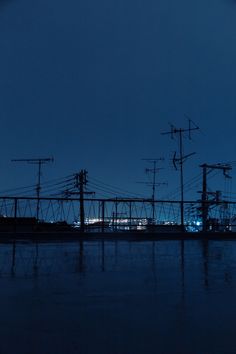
point(94, 83)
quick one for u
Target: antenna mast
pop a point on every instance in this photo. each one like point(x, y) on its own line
point(154, 171)
point(181, 159)
point(39, 162)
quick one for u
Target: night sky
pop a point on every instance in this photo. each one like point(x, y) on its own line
point(94, 83)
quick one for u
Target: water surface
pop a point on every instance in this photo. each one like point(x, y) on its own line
point(121, 297)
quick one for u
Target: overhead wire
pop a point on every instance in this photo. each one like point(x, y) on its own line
point(114, 189)
point(31, 188)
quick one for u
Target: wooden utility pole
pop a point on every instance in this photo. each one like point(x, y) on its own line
point(80, 183)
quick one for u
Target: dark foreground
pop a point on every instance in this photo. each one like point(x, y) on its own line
point(108, 297)
point(114, 236)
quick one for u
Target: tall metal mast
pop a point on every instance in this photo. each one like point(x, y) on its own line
point(154, 171)
point(181, 159)
point(39, 162)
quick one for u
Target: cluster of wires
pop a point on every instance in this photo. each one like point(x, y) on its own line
point(105, 190)
point(68, 185)
point(193, 184)
point(48, 188)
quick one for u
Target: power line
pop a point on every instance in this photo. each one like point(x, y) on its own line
point(114, 189)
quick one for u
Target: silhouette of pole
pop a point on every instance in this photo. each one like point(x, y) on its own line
point(103, 216)
point(153, 190)
point(181, 177)
point(82, 182)
point(38, 188)
point(181, 159)
point(204, 198)
point(39, 162)
point(154, 171)
point(206, 169)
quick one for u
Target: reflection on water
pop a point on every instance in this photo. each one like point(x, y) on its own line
point(118, 297)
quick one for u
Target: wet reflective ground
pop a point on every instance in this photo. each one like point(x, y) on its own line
point(118, 297)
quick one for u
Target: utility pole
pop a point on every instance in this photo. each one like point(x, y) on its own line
point(154, 171)
point(80, 183)
point(181, 159)
point(206, 169)
point(39, 162)
point(82, 178)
